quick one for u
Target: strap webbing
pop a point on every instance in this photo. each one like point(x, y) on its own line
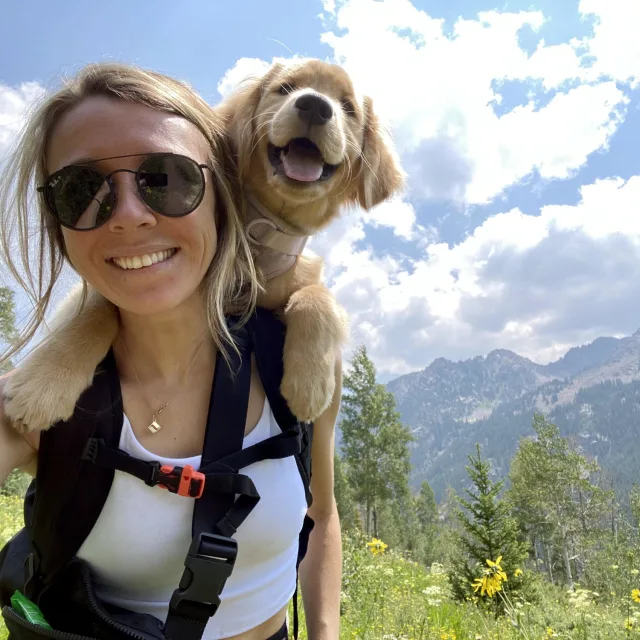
point(198, 596)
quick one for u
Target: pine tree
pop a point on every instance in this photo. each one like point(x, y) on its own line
point(375, 444)
point(488, 532)
point(426, 507)
point(425, 512)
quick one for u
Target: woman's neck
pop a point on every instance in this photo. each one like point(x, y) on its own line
point(162, 350)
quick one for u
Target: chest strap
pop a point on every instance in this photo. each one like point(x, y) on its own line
point(211, 556)
point(221, 476)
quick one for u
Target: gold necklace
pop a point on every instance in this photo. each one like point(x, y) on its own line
point(155, 426)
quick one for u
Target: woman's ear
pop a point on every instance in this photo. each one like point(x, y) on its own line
point(381, 175)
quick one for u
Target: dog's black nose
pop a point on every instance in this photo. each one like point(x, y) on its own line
point(314, 109)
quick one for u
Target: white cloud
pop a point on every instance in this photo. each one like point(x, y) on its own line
point(400, 216)
point(533, 283)
point(243, 68)
point(435, 89)
point(615, 44)
point(14, 103)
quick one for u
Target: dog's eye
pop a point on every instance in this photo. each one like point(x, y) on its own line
point(348, 107)
point(286, 88)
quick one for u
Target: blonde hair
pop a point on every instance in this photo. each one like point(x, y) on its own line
point(230, 285)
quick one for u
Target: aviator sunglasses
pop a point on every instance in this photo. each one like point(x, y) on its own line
point(82, 198)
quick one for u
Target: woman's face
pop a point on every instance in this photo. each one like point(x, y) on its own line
point(102, 127)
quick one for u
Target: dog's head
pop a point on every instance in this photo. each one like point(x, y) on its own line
point(308, 145)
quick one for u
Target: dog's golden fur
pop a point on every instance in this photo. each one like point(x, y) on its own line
point(46, 386)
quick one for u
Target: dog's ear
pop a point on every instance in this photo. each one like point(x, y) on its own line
point(381, 175)
point(239, 111)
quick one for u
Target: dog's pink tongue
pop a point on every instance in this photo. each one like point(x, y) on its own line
point(302, 162)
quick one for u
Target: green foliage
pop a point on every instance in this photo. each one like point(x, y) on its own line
point(347, 508)
point(391, 597)
point(488, 532)
point(602, 419)
point(634, 504)
point(558, 500)
point(16, 484)
point(8, 331)
point(374, 441)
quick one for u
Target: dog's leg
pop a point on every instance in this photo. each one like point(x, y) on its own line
point(317, 327)
point(45, 387)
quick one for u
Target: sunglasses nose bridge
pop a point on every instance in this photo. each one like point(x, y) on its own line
point(122, 193)
point(110, 175)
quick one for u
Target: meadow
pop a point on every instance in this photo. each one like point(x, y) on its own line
point(388, 596)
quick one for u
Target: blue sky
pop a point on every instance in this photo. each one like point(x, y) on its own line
point(516, 122)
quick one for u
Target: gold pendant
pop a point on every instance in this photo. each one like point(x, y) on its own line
point(154, 427)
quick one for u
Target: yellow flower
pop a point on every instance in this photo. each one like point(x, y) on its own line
point(376, 546)
point(628, 624)
point(635, 595)
point(489, 584)
point(491, 580)
point(517, 572)
point(496, 569)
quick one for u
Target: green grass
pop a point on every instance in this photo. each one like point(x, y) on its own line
point(389, 597)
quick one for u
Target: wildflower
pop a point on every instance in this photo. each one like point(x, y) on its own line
point(628, 624)
point(488, 584)
point(497, 569)
point(517, 572)
point(635, 595)
point(491, 580)
point(376, 546)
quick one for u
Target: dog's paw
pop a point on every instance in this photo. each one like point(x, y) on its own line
point(308, 386)
point(30, 409)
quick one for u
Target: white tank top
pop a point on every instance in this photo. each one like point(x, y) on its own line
point(137, 547)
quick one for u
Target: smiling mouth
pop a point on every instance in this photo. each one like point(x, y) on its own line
point(300, 161)
point(146, 260)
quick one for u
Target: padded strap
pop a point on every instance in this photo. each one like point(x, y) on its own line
point(197, 598)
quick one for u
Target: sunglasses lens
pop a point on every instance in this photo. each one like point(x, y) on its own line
point(171, 185)
point(79, 197)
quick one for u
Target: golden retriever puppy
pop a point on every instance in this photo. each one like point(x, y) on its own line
point(307, 146)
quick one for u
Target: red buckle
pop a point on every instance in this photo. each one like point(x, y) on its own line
point(185, 481)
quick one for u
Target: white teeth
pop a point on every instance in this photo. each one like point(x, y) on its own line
point(146, 260)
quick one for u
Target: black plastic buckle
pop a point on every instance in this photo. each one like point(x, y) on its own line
point(91, 447)
point(208, 565)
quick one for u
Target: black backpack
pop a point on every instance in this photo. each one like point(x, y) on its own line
point(76, 466)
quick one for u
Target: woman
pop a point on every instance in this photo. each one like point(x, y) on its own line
point(173, 277)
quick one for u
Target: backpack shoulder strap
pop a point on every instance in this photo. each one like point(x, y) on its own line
point(267, 333)
point(69, 492)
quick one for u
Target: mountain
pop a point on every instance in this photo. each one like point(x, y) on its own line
point(591, 393)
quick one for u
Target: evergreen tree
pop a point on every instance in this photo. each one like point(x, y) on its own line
point(375, 444)
point(488, 533)
point(426, 507)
